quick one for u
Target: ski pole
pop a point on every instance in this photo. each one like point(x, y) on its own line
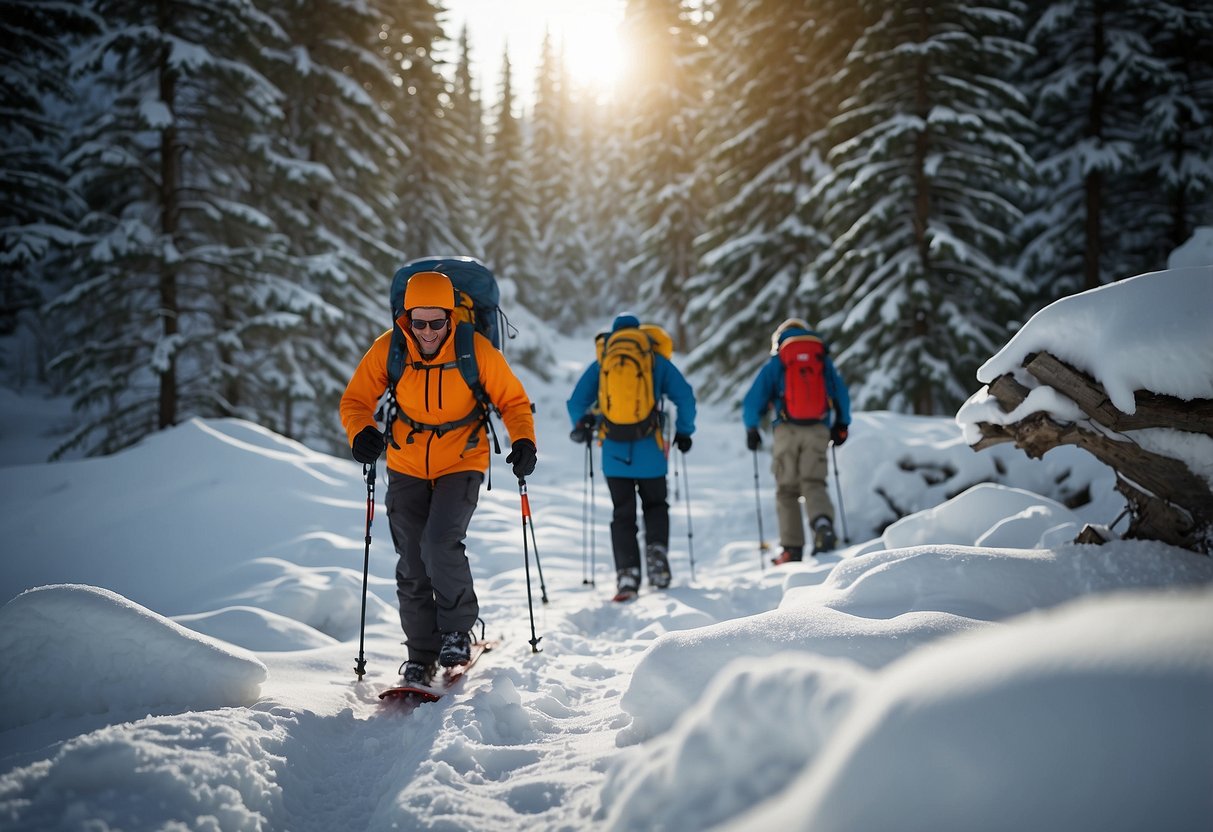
point(687, 493)
point(589, 447)
point(762, 542)
point(368, 471)
point(543, 589)
point(587, 517)
point(585, 510)
point(842, 515)
point(526, 559)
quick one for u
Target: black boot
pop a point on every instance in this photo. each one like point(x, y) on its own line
point(823, 535)
point(658, 563)
point(456, 649)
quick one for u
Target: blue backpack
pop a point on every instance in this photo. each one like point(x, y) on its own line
point(476, 310)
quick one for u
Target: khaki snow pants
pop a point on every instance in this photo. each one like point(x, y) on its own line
point(798, 461)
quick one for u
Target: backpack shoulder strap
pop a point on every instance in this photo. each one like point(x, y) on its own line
point(465, 361)
point(397, 357)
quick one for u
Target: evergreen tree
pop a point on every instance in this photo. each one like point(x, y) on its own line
point(611, 234)
point(771, 104)
point(428, 181)
point(331, 195)
point(559, 259)
point(173, 242)
point(1088, 81)
point(40, 210)
point(663, 121)
point(510, 228)
point(1171, 187)
point(916, 278)
point(466, 123)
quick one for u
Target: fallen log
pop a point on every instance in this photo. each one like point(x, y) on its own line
point(1166, 500)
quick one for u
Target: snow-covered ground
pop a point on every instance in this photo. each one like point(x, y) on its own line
point(178, 645)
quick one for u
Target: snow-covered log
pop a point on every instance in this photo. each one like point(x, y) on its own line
point(1167, 500)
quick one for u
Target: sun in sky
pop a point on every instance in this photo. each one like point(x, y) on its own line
point(587, 30)
point(592, 49)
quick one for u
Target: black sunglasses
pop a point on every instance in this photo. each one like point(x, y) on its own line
point(420, 325)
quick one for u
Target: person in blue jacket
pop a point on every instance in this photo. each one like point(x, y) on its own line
point(637, 468)
point(798, 457)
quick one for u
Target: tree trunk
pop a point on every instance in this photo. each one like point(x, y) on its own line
point(1093, 181)
point(170, 213)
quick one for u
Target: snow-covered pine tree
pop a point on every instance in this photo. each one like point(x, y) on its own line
point(510, 224)
point(39, 211)
point(609, 224)
point(1087, 84)
point(173, 243)
point(1171, 184)
point(427, 184)
point(916, 281)
point(770, 66)
point(559, 258)
point(331, 196)
point(665, 107)
point(465, 120)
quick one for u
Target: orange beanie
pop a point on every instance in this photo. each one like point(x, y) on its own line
point(429, 289)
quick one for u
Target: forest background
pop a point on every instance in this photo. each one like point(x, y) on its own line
point(204, 201)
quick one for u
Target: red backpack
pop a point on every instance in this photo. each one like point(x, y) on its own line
point(804, 380)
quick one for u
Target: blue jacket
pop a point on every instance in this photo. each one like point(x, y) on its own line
point(767, 389)
point(641, 458)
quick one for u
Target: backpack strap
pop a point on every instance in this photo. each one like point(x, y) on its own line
point(469, 371)
point(465, 361)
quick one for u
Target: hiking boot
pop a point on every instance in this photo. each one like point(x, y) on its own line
point(456, 649)
point(627, 584)
point(418, 673)
point(658, 565)
point(790, 554)
point(823, 535)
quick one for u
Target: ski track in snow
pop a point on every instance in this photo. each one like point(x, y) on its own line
point(506, 730)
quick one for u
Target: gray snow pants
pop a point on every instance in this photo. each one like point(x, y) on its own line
point(429, 520)
point(798, 461)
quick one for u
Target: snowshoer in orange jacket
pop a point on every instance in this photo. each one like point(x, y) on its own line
point(436, 462)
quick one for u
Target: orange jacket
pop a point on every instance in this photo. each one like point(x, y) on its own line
point(436, 395)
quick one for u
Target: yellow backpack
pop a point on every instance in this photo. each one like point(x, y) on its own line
point(626, 397)
point(662, 342)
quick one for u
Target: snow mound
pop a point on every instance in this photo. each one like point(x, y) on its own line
point(979, 514)
point(996, 584)
point(818, 691)
point(944, 736)
point(256, 629)
point(673, 674)
point(1196, 251)
point(90, 651)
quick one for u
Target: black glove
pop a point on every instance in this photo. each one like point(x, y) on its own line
point(682, 441)
point(753, 439)
point(522, 457)
point(583, 430)
point(367, 446)
point(839, 434)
